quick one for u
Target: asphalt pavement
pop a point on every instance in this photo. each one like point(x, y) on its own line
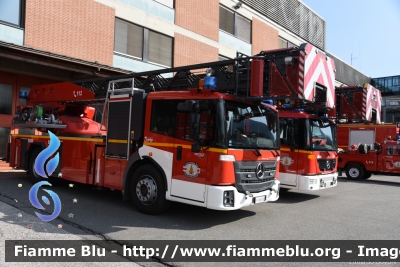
point(354, 210)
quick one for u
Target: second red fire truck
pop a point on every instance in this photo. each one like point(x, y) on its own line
point(308, 138)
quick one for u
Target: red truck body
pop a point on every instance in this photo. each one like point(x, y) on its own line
point(362, 160)
point(366, 146)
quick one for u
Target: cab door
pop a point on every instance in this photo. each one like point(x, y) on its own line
point(189, 168)
point(289, 159)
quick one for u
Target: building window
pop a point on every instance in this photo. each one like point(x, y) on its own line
point(5, 99)
point(12, 12)
point(142, 43)
point(396, 81)
point(283, 43)
point(235, 24)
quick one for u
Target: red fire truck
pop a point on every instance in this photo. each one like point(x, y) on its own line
point(178, 134)
point(363, 160)
point(308, 138)
point(361, 135)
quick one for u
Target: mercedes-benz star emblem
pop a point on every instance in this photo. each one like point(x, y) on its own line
point(328, 164)
point(260, 171)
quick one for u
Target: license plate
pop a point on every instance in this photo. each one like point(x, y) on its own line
point(259, 199)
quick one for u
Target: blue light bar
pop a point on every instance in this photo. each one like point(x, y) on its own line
point(23, 95)
point(269, 101)
point(210, 82)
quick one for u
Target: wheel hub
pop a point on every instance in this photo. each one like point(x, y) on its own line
point(354, 172)
point(146, 190)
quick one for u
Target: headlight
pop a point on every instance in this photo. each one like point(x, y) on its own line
point(229, 198)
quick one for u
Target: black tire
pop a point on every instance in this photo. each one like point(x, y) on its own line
point(355, 172)
point(35, 178)
point(147, 190)
point(367, 174)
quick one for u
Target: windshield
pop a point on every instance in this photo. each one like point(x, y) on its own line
point(323, 135)
point(250, 126)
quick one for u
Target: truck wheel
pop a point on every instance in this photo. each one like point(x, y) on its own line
point(354, 172)
point(367, 174)
point(33, 175)
point(147, 190)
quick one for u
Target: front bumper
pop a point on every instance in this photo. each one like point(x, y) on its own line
point(317, 182)
point(215, 196)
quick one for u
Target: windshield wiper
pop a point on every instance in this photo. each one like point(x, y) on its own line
point(258, 152)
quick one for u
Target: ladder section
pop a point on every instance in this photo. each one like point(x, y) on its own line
point(123, 112)
point(357, 104)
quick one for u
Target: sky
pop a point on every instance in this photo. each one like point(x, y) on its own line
point(363, 33)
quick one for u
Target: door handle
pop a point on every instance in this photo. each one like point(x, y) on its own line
point(178, 153)
point(112, 172)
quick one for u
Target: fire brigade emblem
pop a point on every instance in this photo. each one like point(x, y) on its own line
point(148, 139)
point(191, 169)
point(396, 164)
point(287, 161)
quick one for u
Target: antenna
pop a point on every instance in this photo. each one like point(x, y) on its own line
point(352, 59)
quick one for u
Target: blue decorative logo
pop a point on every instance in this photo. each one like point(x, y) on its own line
point(45, 170)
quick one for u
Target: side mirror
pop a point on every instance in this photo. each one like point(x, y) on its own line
point(293, 125)
point(192, 107)
point(195, 132)
point(292, 147)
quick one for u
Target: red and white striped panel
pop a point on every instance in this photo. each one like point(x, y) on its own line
point(318, 68)
point(372, 99)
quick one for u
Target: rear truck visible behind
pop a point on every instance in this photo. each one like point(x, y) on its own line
point(367, 145)
point(306, 77)
point(363, 160)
